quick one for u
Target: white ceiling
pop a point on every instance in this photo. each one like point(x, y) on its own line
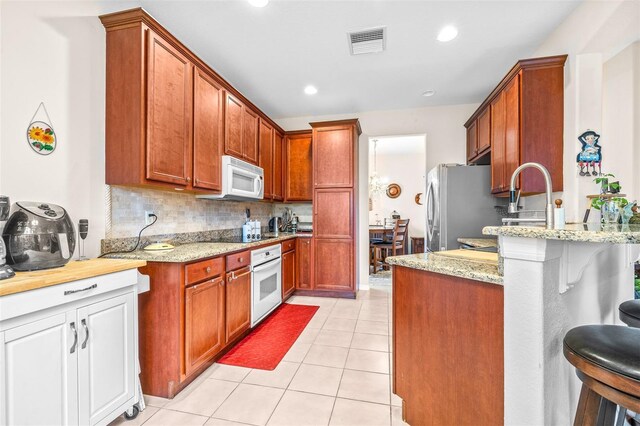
point(270, 54)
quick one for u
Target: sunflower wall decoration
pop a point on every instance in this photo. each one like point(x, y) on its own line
point(40, 135)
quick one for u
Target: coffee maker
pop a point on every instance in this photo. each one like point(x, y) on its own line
point(5, 270)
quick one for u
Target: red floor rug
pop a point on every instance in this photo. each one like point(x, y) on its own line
point(265, 346)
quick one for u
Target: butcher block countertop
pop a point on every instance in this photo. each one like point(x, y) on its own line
point(72, 271)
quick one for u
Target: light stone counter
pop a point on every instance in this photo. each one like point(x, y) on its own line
point(479, 242)
point(195, 251)
point(478, 269)
point(578, 232)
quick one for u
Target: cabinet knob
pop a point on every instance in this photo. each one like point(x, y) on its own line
point(241, 259)
point(188, 179)
point(208, 269)
point(197, 180)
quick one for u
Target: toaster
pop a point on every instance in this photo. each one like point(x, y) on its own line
point(38, 236)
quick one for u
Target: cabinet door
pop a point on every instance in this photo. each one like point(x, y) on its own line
point(38, 380)
point(298, 179)
point(498, 144)
point(233, 119)
point(238, 303)
point(204, 322)
point(333, 151)
point(266, 157)
point(472, 140)
point(169, 93)
point(106, 357)
point(332, 213)
point(288, 273)
point(250, 123)
point(512, 129)
point(304, 264)
point(333, 264)
point(278, 187)
point(484, 130)
point(207, 132)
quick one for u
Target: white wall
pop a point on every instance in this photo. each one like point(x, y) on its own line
point(55, 52)
point(595, 32)
point(446, 143)
point(407, 168)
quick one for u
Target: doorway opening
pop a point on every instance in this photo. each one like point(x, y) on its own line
point(396, 185)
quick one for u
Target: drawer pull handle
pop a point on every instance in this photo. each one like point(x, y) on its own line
point(86, 330)
point(91, 287)
point(241, 259)
point(208, 269)
point(233, 275)
point(75, 337)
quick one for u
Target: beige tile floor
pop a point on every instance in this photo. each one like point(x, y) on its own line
point(336, 373)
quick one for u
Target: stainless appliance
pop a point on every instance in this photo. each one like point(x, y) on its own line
point(5, 270)
point(38, 236)
point(240, 181)
point(458, 204)
point(266, 282)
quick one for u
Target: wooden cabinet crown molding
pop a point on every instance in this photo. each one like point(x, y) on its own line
point(329, 125)
point(523, 64)
point(138, 16)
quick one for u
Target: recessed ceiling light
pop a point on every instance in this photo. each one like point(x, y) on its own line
point(448, 33)
point(310, 90)
point(429, 93)
point(258, 3)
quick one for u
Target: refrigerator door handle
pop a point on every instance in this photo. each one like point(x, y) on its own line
point(430, 211)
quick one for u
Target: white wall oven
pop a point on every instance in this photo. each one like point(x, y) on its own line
point(266, 282)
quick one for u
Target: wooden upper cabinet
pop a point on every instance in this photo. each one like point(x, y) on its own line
point(169, 89)
point(333, 156)
point(298, 177)
point(266, 157)
point(472, 141)
point(233, 120)
point(278, 173)
point(250, 123)
point(522, 121)
point(512, 130)
point(204, 322)
point(498, 149)
point(169, 115)
point(484, 131)
point(208, 126)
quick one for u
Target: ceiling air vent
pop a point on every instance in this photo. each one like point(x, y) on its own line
point(368, 41)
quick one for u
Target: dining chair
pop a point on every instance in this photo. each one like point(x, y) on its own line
point(397, 243)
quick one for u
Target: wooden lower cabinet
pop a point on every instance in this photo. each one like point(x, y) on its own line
point(204, 322)
point(238, 303)
point(304, 264)
point(448, 349)
point(288, 273)
point(333, 265)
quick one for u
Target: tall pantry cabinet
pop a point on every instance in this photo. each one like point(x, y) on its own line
point(335, 185)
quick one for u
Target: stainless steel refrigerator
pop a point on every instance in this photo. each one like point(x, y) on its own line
point(458, 204)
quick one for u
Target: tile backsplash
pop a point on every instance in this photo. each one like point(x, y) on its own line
point(177, 212)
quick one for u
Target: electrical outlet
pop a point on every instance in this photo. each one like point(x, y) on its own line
point(148, 217)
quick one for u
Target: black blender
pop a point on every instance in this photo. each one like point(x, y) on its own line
point(5, 270)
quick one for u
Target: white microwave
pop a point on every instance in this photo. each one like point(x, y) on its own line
point(240, 181)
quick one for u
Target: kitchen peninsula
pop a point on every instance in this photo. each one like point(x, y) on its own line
point(496, 341)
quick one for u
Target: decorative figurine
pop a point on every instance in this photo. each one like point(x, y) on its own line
point(627, 212)
point(590, 155)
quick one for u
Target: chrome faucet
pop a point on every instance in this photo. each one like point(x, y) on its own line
point(513, 199)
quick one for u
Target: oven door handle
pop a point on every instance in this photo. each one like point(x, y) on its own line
point(266, 265)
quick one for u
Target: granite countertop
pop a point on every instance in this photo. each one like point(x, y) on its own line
point(196, 251)
point(478, 269)
point(72, 271)
point(579, 232)
point(479, 242)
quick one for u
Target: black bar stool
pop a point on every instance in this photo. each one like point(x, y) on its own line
point(607, 361)
point(630, 313)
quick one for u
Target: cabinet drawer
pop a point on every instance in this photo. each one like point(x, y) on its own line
point(288, 245)
point(200, 271)
point(238, 260)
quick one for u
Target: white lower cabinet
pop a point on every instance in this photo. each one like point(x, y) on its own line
point(74, 366)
